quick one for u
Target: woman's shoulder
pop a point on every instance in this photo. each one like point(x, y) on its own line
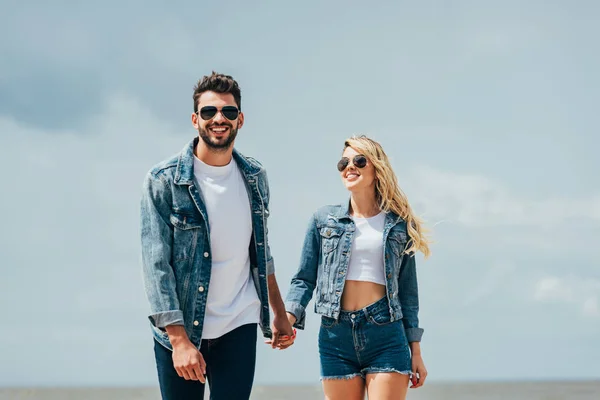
point(328, 211)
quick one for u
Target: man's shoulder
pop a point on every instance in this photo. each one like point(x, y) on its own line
point(164, 169)
point(251, 161)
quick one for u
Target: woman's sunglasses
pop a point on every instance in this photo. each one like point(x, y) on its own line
point(359, 161)
point(229, 112)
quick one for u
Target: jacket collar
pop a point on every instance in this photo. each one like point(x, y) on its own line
point(344, 213)
point(184, 174)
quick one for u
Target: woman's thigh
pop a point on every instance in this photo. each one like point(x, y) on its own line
point(387, 386)
point(344, 389)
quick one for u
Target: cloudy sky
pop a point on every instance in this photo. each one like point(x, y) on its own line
point(485, 108)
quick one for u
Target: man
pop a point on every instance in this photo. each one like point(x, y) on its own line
point(207, 265)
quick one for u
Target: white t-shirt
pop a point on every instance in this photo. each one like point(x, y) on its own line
point(366, 258)
point(232, 300)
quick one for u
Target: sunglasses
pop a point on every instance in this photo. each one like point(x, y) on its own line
point(229, 112)
point(359, 161)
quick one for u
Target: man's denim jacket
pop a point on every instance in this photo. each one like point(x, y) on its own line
point(175, 238)
point(324, 263)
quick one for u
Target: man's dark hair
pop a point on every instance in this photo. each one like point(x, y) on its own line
point(218, 83)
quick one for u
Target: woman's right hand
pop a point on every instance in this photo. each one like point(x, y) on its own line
point(285, 342)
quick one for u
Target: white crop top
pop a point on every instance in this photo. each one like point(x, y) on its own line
point(366, 258)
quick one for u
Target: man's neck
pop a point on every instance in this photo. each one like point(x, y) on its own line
point(211, 157)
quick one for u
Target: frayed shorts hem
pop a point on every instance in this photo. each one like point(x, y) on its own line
point(364, 373)
point(342, 377)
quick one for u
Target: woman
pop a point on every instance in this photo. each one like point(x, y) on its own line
point(360, 258)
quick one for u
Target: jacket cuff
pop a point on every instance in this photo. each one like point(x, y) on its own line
point(414, 334)
point(270, 266)
point(298, 311)
point(166, 318)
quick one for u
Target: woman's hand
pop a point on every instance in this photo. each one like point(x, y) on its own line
point(419, 372)
point(285, 341)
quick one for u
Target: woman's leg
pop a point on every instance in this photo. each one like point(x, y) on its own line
point(386, 356)
point(340, 368)
point(344, 389)
point(387, 386)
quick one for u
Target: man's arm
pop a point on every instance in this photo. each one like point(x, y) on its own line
point(281, 325)
point(157, 240)
point(282, 329)
point(159, 279)
point(275, 299)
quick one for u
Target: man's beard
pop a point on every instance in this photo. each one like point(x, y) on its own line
point(218, 145)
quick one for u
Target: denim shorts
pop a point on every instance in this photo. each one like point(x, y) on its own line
point(363, 342)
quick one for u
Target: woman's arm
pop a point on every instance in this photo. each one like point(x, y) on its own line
point(304, 281)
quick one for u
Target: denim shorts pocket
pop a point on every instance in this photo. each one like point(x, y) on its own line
point(328, 322)
point(380, 319)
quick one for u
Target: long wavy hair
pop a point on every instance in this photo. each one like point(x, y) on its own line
point(388, 194)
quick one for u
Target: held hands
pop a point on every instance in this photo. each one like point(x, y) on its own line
point(283, 333)
point(188, 362)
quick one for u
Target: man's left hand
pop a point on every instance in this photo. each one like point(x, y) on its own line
point(283, 333)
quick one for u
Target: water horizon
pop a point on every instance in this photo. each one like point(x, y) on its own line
point(566, 389)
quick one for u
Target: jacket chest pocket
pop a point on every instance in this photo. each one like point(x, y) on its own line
point(188, 231)
point(330, 238)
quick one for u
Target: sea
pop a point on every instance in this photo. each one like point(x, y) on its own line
point(585, 390)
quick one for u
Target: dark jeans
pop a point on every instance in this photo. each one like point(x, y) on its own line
point(230, 363)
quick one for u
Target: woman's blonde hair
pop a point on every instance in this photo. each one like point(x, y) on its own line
point(388, 194)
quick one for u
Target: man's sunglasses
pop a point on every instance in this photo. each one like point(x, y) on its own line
point(359, 161)
point(229, 112)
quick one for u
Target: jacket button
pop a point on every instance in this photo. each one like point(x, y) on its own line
point(206, 254)
point(389, 276)
point(328, 232)
point(201, 289)
point(196, 323)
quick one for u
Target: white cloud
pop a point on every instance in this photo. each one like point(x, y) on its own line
point(590, 307)
point(476, 201)
point(498, 274)
point(553, 288)
point(580, 292)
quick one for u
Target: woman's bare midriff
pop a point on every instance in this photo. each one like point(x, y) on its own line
point(359, 294)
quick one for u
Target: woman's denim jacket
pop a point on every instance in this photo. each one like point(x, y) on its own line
point(324, 263)
point(175, 236)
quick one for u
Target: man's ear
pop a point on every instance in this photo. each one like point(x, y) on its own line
point(240, 120)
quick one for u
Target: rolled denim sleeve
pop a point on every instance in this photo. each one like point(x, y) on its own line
point(157, 240)
point(304, 281)
point(408, 293)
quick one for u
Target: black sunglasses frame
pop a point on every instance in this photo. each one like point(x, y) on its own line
point(229, 112)
point(359, 161)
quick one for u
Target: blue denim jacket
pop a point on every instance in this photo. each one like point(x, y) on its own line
point(175, 239)
point(324, 263)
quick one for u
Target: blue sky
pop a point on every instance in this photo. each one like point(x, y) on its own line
point(486, 109)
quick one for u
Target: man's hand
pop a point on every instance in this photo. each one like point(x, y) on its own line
point(283, 333)
point(187, 360)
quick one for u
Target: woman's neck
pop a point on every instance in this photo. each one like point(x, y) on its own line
point(364, 205)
